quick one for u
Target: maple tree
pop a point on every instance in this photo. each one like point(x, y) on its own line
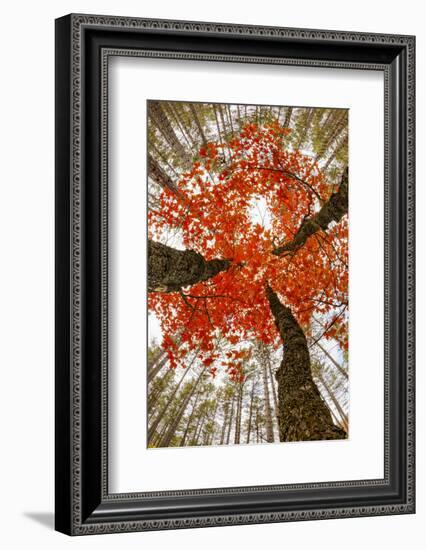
point(263, 246)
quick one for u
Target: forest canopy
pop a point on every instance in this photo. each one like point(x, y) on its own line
point(247, 274)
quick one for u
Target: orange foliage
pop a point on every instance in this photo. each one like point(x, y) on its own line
point(217, 214)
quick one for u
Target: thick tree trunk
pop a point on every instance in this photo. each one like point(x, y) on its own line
point(170, 269)
point(303, 413)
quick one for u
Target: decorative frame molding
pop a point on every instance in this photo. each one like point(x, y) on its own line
point(84, 44)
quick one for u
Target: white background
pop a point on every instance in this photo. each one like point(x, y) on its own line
point(26, 229)
point(360, 457)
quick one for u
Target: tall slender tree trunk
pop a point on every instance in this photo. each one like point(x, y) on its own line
point(196, 432)
point(250, 412)
point(230, 119)
point(159, 354)
point(303, 413)
point(239, 117)
point(238, 415)
point(343, 142)
point(268, 409)
point(157, 437)
point(274, 391)
point(168, 436)
point(155, 395)
point(191, 416)
point(161, 120)
point(287, 119)
point(163, 411)
point(257, 424)
point(276, 414)
point(231, 416)
point(336, 403)
point(218, 131)
point(197, 121)
point(155, 369)
point(157, 174)
point(188, 138)
point(306, 128)
point(222, 118)
point(335, 363)
point(225, 422)
point(213, 432)
point(200, 431)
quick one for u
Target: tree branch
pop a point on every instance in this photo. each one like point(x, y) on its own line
point(332, 210)
point(170, 269)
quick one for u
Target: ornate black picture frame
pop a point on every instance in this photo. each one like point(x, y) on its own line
point(84, 44)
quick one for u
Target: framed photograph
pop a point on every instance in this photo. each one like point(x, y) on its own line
point(234, 274)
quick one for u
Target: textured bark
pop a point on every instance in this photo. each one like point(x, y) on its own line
point(169, 269)
point(303, 415)
point(331, 211)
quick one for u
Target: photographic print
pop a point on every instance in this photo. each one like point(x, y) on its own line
point(248, 274)
point(203, 262)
